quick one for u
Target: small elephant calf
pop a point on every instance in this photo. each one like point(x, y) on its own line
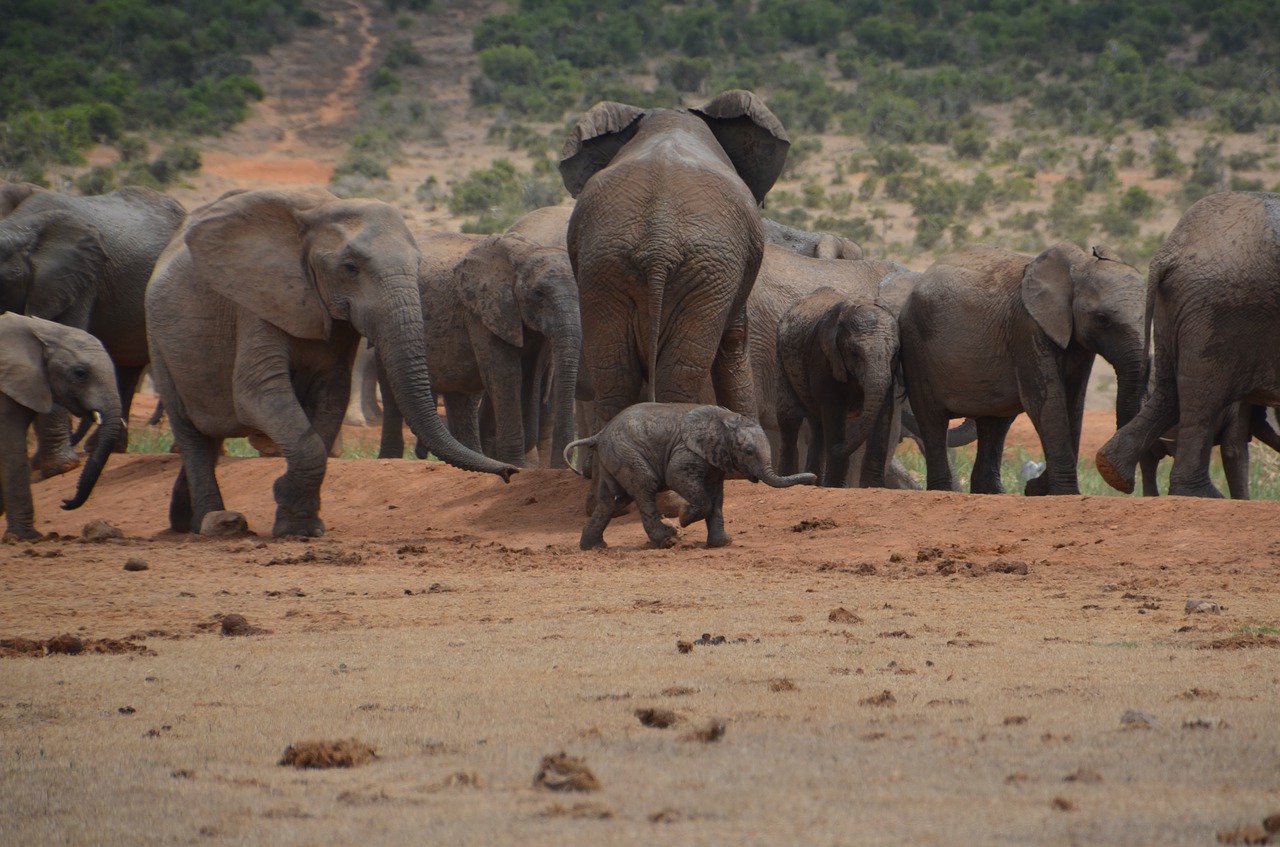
point(649, 448)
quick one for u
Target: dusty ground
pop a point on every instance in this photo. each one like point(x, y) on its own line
point(896, 667)
point(881, 668)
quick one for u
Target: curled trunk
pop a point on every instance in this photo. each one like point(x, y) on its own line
point(769, 477)
point(108, 433)
point(397, 335)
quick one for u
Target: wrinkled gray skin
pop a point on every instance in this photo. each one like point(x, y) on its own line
point(682, 447)
point(785, 277)
point(254, 314)
point(666, 240)
point(989, 334)
point(42, 364)
point(837, 365)
point(503, 322)
point(84, 262)
point(819, 245)
point(1240, 423)
point(1213, 305)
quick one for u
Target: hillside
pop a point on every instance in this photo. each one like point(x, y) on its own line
point(328, 104)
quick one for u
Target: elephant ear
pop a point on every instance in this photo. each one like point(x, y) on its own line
point(23, 376)
point(828, 332)
point(708, 432)
point(13, 193)
point(247, 246)
point(1106, 253)
point(752, 137)
point(1047, 291)
point(596, 138)
point(485, 280)
point(67, 260)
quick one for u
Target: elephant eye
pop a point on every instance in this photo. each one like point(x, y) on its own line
point(80, 373)
point(349, 267)
point(1102, 320)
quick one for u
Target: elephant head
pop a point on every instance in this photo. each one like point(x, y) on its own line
point(1096, 300)
point(43, 363)
point(860, 343)
point(61, 249)
point(733, 443)
point(302, 260)
point(511, 284)
point(750, 135)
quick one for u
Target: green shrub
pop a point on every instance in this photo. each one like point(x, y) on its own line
point(359, 164)
point(1208, 172)
point(1164, 159)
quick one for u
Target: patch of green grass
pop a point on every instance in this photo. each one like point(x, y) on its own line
point(1261, 629)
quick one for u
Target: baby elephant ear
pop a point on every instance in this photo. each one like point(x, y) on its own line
point(1103, 252)
point(708, 432)
point(1047, 291)
point(23, 376)
point(248, 247)
point(596, 138)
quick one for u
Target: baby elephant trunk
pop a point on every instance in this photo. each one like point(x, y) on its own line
point(768, 477)
point(109, 432)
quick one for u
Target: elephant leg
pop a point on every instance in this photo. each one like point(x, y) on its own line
point(15, 480)
point(1150, 465)
point(325, 405)
point(835, 467)
point(1234, 449)
point(195, 491)
point(54, 454)
point(608, 494)
point(127, 379)
point(391, 444)
point(661, 533)
point(933, 434)
point(466, 415)
point(985, 478)
point(1117, 459)
point(705, 502)
point(731, 370)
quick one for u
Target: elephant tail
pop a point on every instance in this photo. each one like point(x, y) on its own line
point(657, 284)
point(584, 443)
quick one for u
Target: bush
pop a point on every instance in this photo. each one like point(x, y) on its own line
point(1208, 172)
point(1164, 159)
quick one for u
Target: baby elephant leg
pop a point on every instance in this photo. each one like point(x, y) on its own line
point(703, 488)
point(607, 495)
point(661, 533)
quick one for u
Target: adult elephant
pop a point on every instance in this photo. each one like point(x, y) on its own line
point(255, 311)
point(41, 364)
point(84, 262)
point(1240, 423)
point(1213, 304)
point(665, 241)
point(502, 322)
point(988, 333)
point(785, 278)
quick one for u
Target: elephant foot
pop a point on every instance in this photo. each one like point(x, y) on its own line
point(1111, 474)
point(223, 524)
point(47, 467)
point(1206, 489)
point(288, 523)
point(23, 533)
point(1036, 487)
point(721, 539)
point(591, 540)
point(663, 537)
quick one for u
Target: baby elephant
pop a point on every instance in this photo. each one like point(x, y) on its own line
point(653, 447)
point(43, 364)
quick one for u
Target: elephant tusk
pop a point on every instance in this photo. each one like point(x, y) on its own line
point(97, 418)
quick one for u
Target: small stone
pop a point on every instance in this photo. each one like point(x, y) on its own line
point(657, 718)
point(1202, 607)
point(563, 772)
point(134, 565)
point(66, 643)
point(842, 615)
point(100, 530)
point(224, 524)
point(234, 624)
point(684, 646)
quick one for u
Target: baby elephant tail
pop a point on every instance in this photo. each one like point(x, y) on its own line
point(585, 443)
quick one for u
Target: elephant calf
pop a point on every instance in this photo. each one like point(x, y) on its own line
point(43, 365)
point(649, 448)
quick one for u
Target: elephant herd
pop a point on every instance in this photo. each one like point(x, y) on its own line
point(661, 317)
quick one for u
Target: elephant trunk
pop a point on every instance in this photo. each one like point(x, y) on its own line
point(876, 392)
point(1131, 383)
point(769, 477)
point(566, 357)
point(108, 433)
point(397, 333)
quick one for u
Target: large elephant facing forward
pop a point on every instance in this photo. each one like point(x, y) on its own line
point(254, 314)
point(988, 334)
point(666, 241)
point(1213, 304)
point(84, 262)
